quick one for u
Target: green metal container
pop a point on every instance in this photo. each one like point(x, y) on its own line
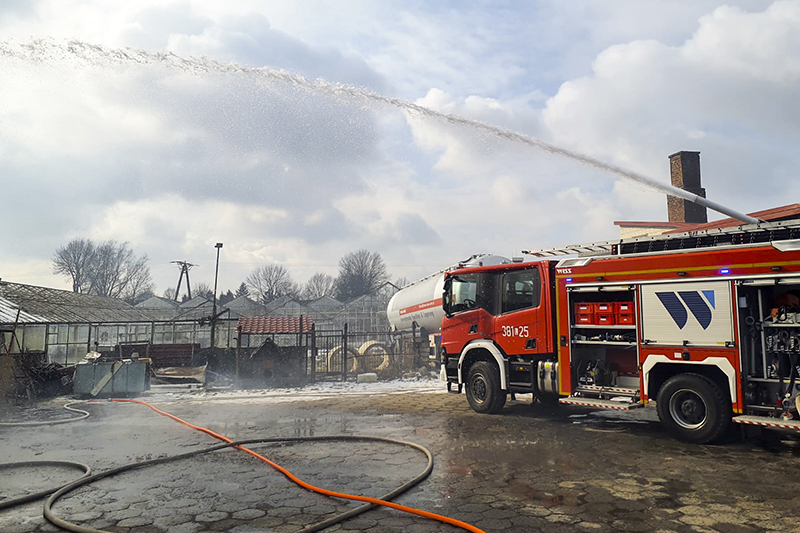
point(118, 378)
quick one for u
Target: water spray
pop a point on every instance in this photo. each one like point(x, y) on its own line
point(39, 50)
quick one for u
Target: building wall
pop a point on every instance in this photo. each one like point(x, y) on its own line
point(630, 232)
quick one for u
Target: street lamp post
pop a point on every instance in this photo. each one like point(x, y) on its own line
point(214, 298)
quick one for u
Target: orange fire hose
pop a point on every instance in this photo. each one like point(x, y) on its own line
point(308, 486)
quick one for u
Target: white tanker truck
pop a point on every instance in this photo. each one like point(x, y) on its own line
point(417, 308)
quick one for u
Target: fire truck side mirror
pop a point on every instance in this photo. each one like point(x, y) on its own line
point(446, 299)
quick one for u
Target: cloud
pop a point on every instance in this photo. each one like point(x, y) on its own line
point(172, 227)
point(153, 27)
point(644, 100)
point(251, 40)
point(150, 129)
point(174, 152)
point(91, 133)
point(727, 92)
point(16, 8)
point(755, 46)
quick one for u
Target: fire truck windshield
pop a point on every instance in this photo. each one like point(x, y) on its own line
point(461, 293)
point(471, 291)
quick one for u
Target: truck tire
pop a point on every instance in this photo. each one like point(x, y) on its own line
point(693, 408)
point(483, 388)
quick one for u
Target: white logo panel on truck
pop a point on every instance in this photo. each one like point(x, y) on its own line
point(698, 313)
point(676, 303)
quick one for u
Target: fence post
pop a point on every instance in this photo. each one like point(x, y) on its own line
point(415, 355)
point(313, 353)
point(344, 352)
point(300, 332)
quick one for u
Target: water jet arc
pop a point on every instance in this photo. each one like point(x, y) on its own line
point(39, 50)
point(575, 156)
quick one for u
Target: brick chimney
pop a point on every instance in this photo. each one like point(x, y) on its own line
point(685, 173)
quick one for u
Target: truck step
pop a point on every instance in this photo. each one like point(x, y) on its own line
point(767, 422)
point(450, 387)
point(603, 404)
point(616, 391)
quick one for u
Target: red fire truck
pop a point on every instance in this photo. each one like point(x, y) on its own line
point(706, 324)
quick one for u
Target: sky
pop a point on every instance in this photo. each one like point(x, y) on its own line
point(174, 125)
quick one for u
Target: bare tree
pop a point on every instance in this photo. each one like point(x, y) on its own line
point(138, 285)
point(319, 285)
point(360, 272)
point(389, 288)
point(269, 282)
point(108, 269)
point(74, 261)
point(169, 294)
point(204, 290)
point(114, 268)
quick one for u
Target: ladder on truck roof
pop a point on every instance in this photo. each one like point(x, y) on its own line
point(763, 232)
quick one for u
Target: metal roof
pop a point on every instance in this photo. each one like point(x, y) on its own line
point(267, 325)
point(157, 302)
point(245, 306)
point(12, 313)
point(46, 305)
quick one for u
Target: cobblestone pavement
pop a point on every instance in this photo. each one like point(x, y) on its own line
point(531, 468)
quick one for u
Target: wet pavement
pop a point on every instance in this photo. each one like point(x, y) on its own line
point(530, 468)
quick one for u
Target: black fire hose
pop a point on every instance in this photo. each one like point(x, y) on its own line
point(69, 526)
point(786, 392)
point(7, 504)
point(752, 329)
point(68, 407)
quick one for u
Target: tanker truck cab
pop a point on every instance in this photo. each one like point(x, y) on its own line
point(498, 323)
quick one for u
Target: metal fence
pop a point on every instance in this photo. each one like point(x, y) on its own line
point(329, 355)
point(339, 354)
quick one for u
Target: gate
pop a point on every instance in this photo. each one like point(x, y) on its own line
point(339, 354)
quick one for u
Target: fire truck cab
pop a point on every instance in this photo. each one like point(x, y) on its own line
point(706, 324)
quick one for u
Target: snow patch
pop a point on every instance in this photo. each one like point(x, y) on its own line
point(311, 392)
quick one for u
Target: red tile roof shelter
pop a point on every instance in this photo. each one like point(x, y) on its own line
point(784, 212)
point(644, 224)
point(775, 214)
point(274, 325)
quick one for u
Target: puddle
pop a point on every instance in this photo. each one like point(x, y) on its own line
point(674, 490)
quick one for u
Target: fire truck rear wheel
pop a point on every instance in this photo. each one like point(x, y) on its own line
point(483, 388)
point(693, 408)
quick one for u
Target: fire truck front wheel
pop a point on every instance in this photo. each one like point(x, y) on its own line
point(693, 408)
point(483, 388)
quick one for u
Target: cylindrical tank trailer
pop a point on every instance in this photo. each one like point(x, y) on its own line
point(420, 302)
